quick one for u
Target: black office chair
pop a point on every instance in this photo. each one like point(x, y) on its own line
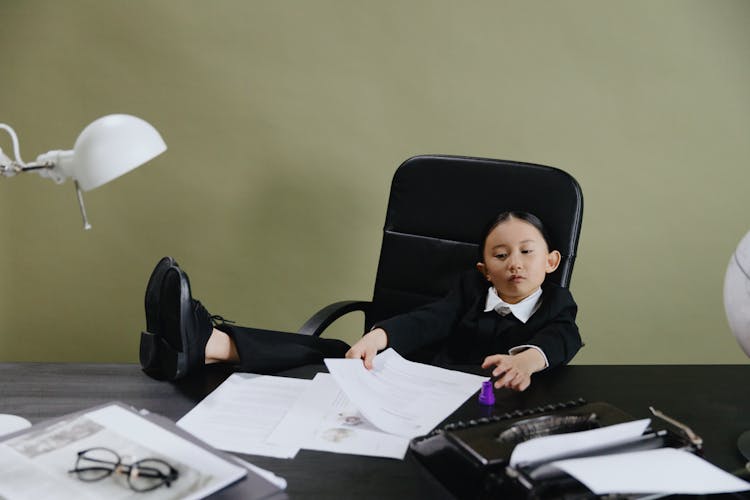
point(437, 209)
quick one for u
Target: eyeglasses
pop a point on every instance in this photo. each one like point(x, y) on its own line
point(94, 464)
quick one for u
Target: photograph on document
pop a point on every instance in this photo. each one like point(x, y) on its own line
point(324, 419)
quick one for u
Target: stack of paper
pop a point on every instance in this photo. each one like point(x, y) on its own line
point(351, 410)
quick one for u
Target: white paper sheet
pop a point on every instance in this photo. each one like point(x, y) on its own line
point(664, 470)
point(324, 419)
point(12, 423)
point(402, 397)
point(243, 411)
point(548, 448)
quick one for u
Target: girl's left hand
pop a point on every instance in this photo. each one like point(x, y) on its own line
point(514, 371)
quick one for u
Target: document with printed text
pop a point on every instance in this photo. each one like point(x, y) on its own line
point(351, 410)
point(243, 411)
point(324, 419)
point(402, 397)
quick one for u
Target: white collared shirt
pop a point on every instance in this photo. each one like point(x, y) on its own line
point(522, 310)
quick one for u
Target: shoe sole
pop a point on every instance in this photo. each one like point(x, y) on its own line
point(153, 292)
point(156, 357)
point(186, 312)
point(174, 318)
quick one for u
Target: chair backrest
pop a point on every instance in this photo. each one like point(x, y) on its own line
point(437, 210)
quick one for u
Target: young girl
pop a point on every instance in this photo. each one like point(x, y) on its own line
point(498, 317)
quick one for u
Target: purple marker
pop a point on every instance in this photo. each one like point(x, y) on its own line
point(487, 394)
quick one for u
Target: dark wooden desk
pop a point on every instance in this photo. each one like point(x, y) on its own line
point(712, 399)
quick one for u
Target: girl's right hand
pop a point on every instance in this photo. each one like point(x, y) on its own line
point(368, 346)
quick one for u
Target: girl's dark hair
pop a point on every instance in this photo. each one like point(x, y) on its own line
point(513, 214)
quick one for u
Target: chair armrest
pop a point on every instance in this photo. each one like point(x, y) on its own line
point(330, 313)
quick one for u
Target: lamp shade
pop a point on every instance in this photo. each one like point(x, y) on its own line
point(737, 293)
point(110, 147)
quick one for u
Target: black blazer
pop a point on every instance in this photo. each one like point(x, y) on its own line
point(459, 331)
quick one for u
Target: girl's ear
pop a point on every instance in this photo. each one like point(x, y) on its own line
point(482, 269)
point(553, 260)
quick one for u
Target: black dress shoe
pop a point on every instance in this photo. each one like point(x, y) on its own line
point(183, 327)
point(153, 293)
point(149, 348)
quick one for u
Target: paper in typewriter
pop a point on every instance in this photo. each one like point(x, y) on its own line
point(662, 471)
point(658, 471)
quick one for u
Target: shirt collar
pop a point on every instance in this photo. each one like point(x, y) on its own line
point(522, 310)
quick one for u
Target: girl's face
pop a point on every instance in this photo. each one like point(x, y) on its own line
point(516, 260)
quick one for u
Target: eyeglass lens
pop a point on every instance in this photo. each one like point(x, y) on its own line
point(149, 474)
point(96, 464)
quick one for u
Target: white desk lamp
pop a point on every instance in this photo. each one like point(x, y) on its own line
point(106, 149)
point(737, 307)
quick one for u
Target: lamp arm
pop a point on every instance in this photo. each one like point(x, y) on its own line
point(30, 167)
point(16, 148)
point(9, 168)
point(46, 165)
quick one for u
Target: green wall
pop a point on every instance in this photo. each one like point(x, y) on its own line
point(286, 120)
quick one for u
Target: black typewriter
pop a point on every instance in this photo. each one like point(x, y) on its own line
point(471, 458)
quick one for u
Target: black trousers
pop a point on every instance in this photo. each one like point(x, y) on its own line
point(269, 351)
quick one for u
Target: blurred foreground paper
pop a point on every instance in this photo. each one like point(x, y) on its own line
point(34, 462)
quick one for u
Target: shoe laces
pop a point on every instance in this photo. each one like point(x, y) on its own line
point(217, 320)
point(214, 319)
